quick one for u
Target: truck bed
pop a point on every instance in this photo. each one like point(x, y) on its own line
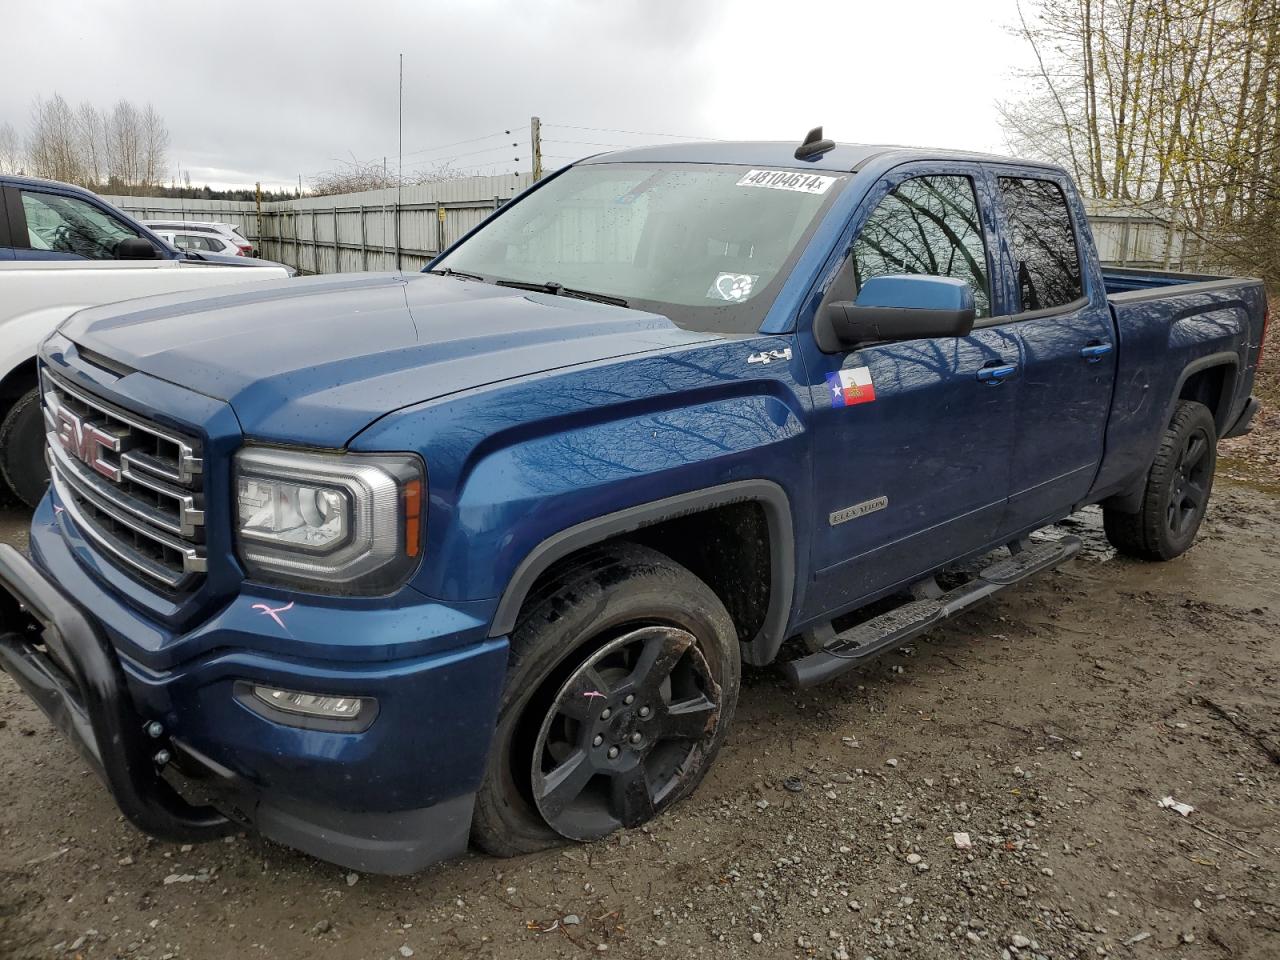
point(1179, 335)
point(1127, 279)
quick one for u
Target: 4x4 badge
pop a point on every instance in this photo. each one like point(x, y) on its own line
point(768, 356)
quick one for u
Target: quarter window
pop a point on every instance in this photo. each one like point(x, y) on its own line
point(1043, 243)
point(926, 225)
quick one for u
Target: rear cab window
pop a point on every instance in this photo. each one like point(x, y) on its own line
point(1042, 240)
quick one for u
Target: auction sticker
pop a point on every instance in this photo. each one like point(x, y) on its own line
point(787, 180)
point(849, 387)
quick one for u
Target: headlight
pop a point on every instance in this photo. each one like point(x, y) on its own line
point(332, 522)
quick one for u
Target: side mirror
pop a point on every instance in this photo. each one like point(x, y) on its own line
point(908, 307)
point(135, 248)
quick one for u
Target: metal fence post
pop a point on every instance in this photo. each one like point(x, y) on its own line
point(397, 230)
point(364, 245)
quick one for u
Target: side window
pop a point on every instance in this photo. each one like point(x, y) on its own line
point(1043, 243)
point(72, 226)
point(190, 241)
point(926, 225)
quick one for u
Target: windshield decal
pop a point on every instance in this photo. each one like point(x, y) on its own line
point(787, 180)
point(732, 286)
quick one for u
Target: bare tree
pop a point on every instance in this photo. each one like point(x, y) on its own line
point(155, 147)
point(124, 146)
point(53, 144)
point(92, 131)
point(354, 176)
point(10, 149)
point(1169, 104)
point(124, 150)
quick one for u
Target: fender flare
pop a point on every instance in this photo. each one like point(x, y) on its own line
point(1129, 499)
point(782, 560)
point(1224, 358)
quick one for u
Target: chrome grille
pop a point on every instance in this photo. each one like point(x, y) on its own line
point(133, 488)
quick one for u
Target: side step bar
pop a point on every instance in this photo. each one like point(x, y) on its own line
point(855, 646)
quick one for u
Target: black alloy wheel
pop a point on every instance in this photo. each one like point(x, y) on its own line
point(1189, 483)
point(624, 732)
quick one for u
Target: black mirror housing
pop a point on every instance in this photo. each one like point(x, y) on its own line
point(854, 324)
point(136, 248)
point(911, 307)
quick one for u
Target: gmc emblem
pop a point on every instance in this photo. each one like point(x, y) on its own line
point(87, 442)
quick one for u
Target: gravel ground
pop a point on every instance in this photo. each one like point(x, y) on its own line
point(990, 792)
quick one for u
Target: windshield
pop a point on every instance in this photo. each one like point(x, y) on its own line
point(705, 245)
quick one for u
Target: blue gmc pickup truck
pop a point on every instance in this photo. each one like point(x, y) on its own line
point(376, 564)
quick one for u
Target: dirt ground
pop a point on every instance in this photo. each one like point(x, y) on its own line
point(1046, 726)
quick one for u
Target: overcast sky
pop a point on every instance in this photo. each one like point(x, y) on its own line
point(267, 90)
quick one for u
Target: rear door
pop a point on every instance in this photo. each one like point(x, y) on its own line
point(1055, 301)
point(911, 466)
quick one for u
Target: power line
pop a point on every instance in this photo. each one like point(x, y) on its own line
point(460, 143)
point(591, 143)
point(634, 133)
point(469, 153)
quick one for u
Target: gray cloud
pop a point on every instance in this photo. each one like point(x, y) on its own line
point(268, 91)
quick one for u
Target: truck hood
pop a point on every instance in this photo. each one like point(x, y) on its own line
point(316, 360)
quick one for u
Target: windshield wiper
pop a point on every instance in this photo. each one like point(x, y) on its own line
point(560, 290)
point(450, 272)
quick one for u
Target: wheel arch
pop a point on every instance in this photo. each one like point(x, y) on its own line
point(1210, 377)
point(768, 495)
point(17, 382)
point(1210, 380)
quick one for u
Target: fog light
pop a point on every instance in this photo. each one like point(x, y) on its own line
point(310, 704)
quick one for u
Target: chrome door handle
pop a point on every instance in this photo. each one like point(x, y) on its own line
point(1095, 351)
point(996, 375)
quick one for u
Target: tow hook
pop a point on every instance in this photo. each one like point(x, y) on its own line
point(155, 730)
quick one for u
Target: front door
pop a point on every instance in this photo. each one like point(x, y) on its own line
point(912, 439)
point(54, 226)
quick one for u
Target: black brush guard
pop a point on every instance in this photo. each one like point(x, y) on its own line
point(66, 665)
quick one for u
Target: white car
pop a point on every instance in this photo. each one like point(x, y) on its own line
point(202, 242)
point(63, 249)
point(236, 242)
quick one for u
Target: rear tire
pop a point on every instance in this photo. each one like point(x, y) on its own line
point(1177, 490)
point(573, 758)
point(22, 449)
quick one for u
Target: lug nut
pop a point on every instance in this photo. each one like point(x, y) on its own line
point(635, 737)
point(613, 753)
point(630, 699)
point(644, 713)
point(161, 758)
point(155, 728)
point(598, 740)
point(606, 713)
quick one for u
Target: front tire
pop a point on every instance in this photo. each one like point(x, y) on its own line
point(621, 688)
point(22, 449)
point(1177, 491)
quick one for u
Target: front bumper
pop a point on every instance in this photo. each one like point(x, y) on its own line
point(391, 798)
point(50, 646)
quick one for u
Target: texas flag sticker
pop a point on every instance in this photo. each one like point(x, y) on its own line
point(851, 386)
